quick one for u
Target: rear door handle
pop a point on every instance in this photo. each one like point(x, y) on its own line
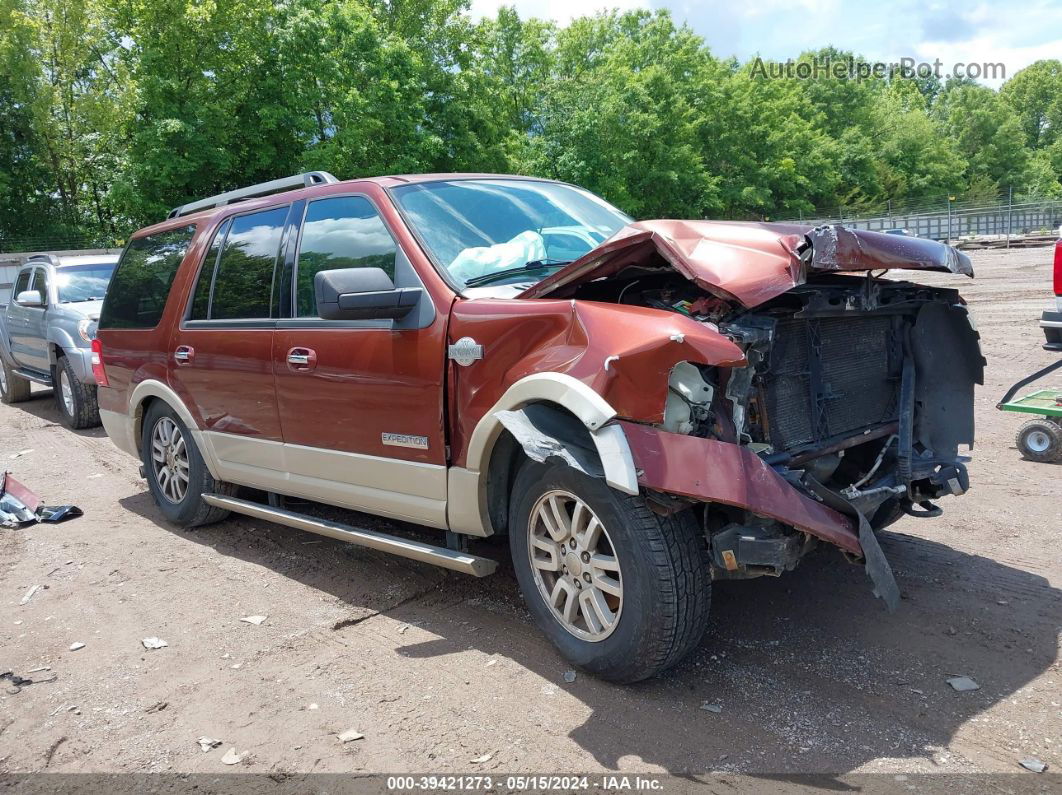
point(184, 354)
point(302, 359)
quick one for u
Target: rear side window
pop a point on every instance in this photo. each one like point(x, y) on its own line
point(344, 232)
point(243, 284)
point(201, 297)
point(141, 284)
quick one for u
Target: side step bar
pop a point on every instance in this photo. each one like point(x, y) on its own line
point(32, 375)
point(416, 550)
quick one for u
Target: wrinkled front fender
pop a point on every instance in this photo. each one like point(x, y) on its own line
point(624, 354)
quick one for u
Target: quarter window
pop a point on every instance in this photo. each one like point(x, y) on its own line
point(243, 285)
point(138, 291)
point(343, 232)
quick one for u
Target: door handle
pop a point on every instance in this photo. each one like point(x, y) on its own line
point(302, 359)
point(184, 354)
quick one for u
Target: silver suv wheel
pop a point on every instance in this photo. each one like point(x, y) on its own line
point(3, 379)
point(575, 566)
point(66, 391)
point(169, 458)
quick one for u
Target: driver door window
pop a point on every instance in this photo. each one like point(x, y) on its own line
point(342, 232)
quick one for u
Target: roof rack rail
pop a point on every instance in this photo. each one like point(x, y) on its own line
point(51, 259)
point(252, 191)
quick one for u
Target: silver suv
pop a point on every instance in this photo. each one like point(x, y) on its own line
point(46, 332)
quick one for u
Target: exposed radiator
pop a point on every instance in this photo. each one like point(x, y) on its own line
point(829, 377)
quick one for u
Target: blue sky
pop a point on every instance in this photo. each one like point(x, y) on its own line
point(1009, 32)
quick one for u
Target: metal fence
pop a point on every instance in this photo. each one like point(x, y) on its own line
point(949, 220)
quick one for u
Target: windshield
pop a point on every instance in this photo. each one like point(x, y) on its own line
point(506, 230)
point(83, 282)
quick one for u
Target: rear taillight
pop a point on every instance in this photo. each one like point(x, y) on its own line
point(1058, 267)
point(98, 372)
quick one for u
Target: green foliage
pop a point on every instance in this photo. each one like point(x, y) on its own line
point(987, 133)
point(114, 111)
point(1035, 94)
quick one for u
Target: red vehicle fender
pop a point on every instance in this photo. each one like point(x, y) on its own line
point(623, 353)
point(714, 471)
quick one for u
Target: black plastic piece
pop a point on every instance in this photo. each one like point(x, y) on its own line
point(362, 294)
point(929, 510)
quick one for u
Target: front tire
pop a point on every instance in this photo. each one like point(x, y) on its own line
point(175, 470)
point(620, 591)
point(1040, 440)
point(75, 399)
point(13, 388)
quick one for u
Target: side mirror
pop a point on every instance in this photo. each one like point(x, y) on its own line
point(29, 298)
point(362, 294)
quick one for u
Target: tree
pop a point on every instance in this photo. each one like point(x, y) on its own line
point(1035, 94)
point(986, 132)
point(629, 123)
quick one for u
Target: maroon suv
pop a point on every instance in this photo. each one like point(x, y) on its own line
point(641, 407)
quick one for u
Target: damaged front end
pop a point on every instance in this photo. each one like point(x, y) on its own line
point(848, 412)
point(859, 393)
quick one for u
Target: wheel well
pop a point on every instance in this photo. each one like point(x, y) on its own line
point(507, 456)
point(138, 419)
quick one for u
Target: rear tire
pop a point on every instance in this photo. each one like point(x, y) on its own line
point(1040, 440)
point(654, 573)
point(75, 399)
point(175, 470)
point(13, 388)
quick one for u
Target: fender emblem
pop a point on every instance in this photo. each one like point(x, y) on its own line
point(405, 440)
point(465, 351)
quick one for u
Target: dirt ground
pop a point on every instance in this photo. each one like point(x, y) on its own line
point(444, 673)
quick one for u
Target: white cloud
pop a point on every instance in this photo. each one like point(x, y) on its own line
point(1013, 32)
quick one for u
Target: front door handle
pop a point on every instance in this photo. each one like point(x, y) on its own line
point(184, 354)
point(302, 359)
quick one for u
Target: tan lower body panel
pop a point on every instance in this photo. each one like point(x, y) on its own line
point(390, 487)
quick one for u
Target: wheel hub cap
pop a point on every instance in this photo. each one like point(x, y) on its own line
point(575, 566)
point(1038, 441)
point(169, 460)
point(67, 392)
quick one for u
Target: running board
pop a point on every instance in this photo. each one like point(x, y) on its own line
point(439, 556)
point(32, 375)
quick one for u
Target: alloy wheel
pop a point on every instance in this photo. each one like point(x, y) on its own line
point(575, 566)
point(67, 392)
point(3, 379)
point(169, 459)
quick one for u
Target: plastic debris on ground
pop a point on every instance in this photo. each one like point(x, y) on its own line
point(19, 506)
point(208, 743)
point(963, 684)
point(232, 758)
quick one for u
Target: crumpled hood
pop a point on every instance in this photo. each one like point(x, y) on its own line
point(750, 262)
